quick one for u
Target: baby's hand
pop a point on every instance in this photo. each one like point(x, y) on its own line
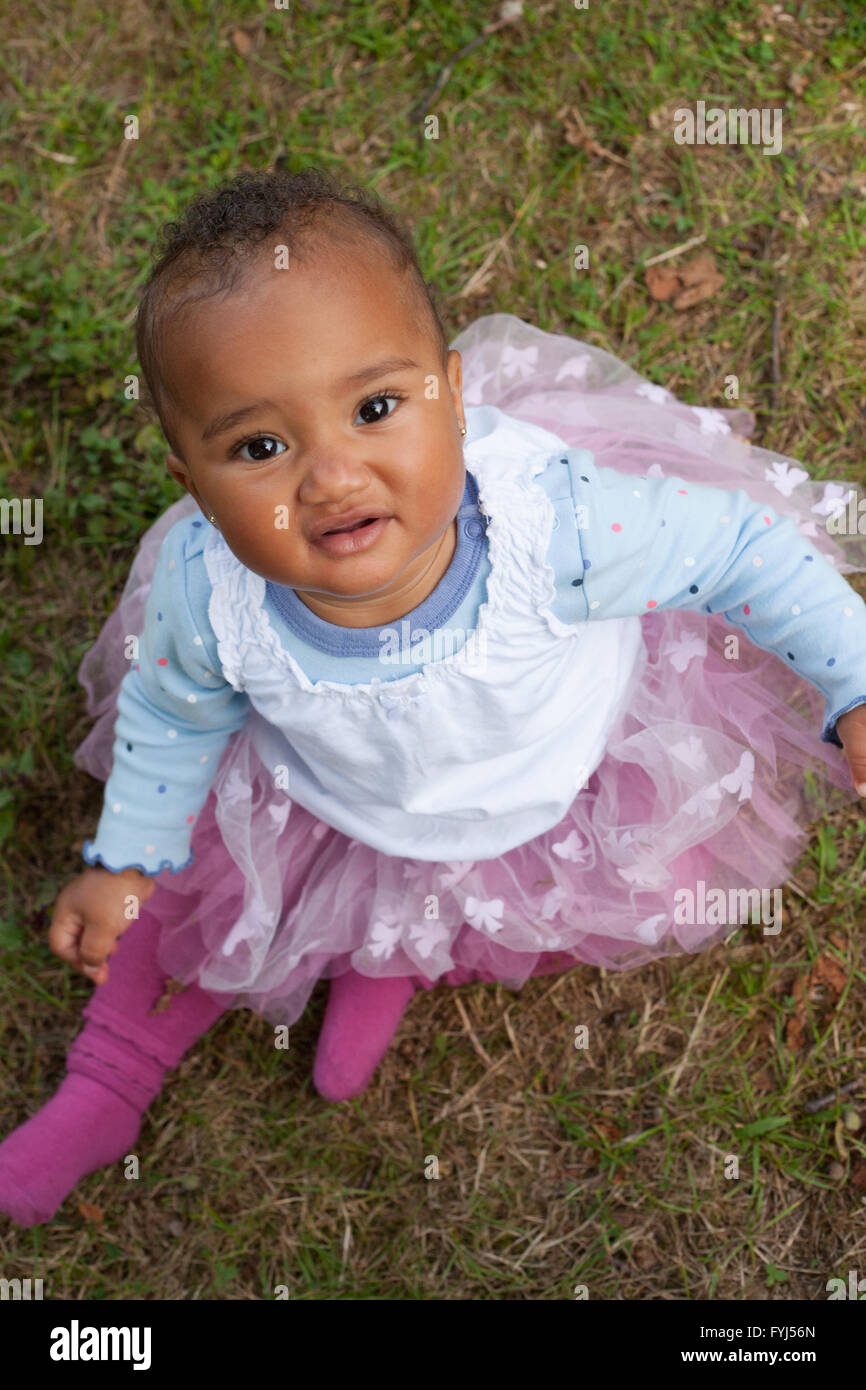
point(89, 917)
point(851, 728)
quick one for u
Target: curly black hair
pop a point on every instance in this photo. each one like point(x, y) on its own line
point(221, 231)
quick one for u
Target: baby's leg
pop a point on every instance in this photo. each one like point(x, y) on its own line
point(360, 1020)
point(115, 1068)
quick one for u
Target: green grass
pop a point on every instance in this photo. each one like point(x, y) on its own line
point(558, 1168)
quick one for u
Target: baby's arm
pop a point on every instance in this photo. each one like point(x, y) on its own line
point(652, 543)
point(175, 715)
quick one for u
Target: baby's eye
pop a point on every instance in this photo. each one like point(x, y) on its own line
point(370, 411)
point(254, 443)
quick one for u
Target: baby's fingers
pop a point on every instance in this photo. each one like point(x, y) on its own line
point(82, 944)
point(66, 927)
point(97, 943)
point(851, 728)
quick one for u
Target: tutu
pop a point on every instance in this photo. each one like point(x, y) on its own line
point(276, 899)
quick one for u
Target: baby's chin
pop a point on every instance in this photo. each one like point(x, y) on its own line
point(365, 575)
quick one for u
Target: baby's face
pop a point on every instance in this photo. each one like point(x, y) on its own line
point(316, 443)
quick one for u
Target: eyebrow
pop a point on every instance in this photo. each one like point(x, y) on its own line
point(222, 423)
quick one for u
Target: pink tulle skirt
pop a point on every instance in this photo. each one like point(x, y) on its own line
point(273, 902)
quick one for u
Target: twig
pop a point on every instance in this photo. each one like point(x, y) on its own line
point(805, 896)
point(510, 1031)
point(415, 1116)
point(110, 196)
point(422, 107)
point(499, 245)
point(777, 372)
point(460, 1102)
point(471, 1031)
point(811, 1106)
point(675, 250)
point(695, 1031)
point(368, 1176)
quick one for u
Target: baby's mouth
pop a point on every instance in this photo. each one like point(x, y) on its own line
point(355, 526)
point(354, 537)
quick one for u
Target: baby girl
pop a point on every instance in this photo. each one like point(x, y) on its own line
point(452, 664)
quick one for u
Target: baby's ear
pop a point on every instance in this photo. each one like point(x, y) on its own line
point(180, 473)
point(178, 470)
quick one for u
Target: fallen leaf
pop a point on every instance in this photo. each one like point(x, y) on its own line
point(607, 1127)
point(817, 992)
point(576, 134)
point(90, 1212)
point(857, 1179)
point(172, 987)
point(242, 42)
point(685, 285)
point(662, 281)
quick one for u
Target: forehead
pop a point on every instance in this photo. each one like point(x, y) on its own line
point(336, 309)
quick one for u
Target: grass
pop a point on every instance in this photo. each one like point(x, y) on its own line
point(558, 1168)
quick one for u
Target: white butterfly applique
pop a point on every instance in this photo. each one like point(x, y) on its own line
point(484, 916)
point(684, 649)
point(703, 801)
point(619, 843)
point(234, 786)
point(552, 902)
point(279, 814)
point(834, 501)
point(650, 929)
point(576, 367)
point(573, 847)
point(645, 872)
point(384, 937)
point(711, 421)
point(657, 394)
point(520, 361)
point(691, 751)
point(427, 936)
point(741, 777)
point(459, 868)
point(784, 478)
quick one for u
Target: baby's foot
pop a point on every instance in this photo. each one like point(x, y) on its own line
point(83, 1127)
